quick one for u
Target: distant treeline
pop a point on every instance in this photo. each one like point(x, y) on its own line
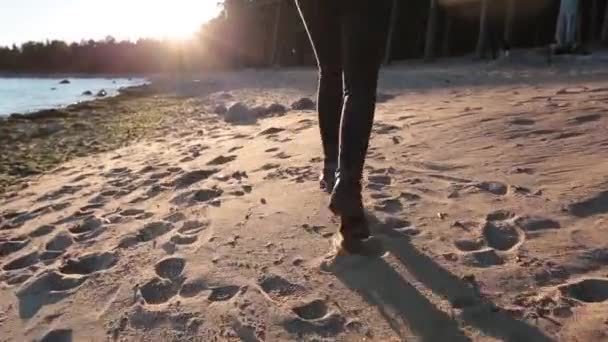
point(259, 33)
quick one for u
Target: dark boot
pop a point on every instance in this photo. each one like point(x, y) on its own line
point(327, 179)
point(347, 202)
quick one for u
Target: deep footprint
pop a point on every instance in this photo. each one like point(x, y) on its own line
point(192, 227)
point(223, 293)
point(158, 291)
point(469, 245)
point(22, 262)
point(588, 290)
point(60, 242)
point(495, 188)
point(42, 231)
point(170, 268)
point(57, 335)
point(153, 230)
point(88, 225)
point(179, 239)
point(220, 160)
point(534, 223)
point(192, 177)
point(275, 285)
point(90, 263)
point(10, 247)
point(501, 235)
point(484, 258)
point(315, 309)
point(193, 287)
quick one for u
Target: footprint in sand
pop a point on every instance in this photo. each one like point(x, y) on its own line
point(391, 205)
point(484, 258)
point(17, 221)
point(380, 180)
point(57, 335)
point(60, 242)
point(42, 231)
point(14, 245)
point(197, 196)
point(522, 122)
point(585, 118)
point(89, 228)
point(192, 227)
point(45, 288)
point(536, 223)
point(382, 128)
point(496, 188)
point(61, 192)
point(192, 177)
point(282, 155)
point(175, 217)
point(170, 268)
point(192, 287)
point(89, 263)
point(311, 310)
point(180, 239)
point(271, 131)
point(276, 286)
point(502, 236)
point(23, 261)
point(465, 245)
point(221, 160)
point(329, 326)
point(592, 290)
point(149, 232)
point(272, 149)
point(500, 232)
point(131, 212)
point(223, 293)
point(597, 204)
point(159, 291)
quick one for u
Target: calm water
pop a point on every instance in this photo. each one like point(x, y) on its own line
point(23, 95)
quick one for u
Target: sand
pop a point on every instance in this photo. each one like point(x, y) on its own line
point(485, 185)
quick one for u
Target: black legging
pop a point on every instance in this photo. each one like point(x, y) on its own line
point(348, 37)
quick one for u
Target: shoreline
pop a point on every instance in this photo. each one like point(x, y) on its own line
point(37, 142)
point(45, 75)
point(37, 112)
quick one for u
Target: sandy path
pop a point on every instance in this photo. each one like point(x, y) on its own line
point(487, 190)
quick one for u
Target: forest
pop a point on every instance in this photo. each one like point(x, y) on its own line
point(269, 33)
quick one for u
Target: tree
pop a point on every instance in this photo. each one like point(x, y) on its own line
point(431, 28)
point(483, 29)
point(388, 53)
point(605, 27)
point(510, 16)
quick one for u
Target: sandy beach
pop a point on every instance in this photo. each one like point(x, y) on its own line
point(163, 216)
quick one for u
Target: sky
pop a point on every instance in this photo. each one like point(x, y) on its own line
point(74, 20)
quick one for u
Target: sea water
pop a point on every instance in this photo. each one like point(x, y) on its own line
point(25, 95)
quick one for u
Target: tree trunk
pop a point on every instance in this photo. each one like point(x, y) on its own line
point(593, 24)
point(605, 26)
point(275, 39)
point(388, 53)
point(508, 36)
point(567, 24)
point(429, 48)
point(445, 49)
point(483, 29)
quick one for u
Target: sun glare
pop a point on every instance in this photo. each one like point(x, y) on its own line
point(177, 19)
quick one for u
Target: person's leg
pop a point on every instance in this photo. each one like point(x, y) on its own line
point(364, 33)
point(323, 26)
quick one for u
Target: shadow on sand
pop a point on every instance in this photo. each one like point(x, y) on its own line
point(404, 307)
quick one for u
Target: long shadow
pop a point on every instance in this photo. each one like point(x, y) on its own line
point(398, 302)
point(377, 280)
